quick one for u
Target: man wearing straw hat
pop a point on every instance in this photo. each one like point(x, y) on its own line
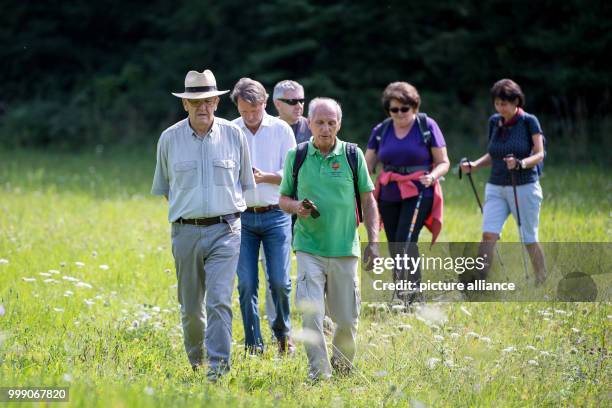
point(203, 168)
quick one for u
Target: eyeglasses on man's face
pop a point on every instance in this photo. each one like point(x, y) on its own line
point(292, 102)
point(403, 109)
point(196, 103)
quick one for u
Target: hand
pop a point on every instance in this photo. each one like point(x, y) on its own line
point(301, 211)
point(259, 175)
point(427, 180)
point(370, 253)
point(466, 166)
point(511, 162)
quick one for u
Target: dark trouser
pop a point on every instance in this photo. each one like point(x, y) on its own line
point(397, 217)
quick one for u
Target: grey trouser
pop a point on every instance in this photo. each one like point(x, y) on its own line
point(328, 282)
point(206, 259)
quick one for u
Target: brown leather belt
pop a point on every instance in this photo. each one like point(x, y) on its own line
point(262, 209)
point(205, 222)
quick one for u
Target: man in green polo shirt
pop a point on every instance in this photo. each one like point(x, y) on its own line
point(327, 248)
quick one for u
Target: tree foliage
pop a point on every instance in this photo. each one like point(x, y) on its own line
point(80, 73)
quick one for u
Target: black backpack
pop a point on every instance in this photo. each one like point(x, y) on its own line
point(421, 119)
point(351, 157)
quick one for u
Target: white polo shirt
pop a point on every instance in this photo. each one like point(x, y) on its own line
point(268, 149)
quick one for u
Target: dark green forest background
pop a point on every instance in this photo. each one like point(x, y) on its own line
point(81, 74)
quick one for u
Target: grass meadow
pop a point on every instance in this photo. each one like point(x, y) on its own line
point(88, 301)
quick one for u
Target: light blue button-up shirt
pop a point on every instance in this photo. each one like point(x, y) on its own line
point(203, 176)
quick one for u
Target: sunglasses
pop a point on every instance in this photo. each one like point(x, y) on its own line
point(196, 103)
point(292, 102)
point(403, 109)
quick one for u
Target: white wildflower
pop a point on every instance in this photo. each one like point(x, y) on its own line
point(2, 311)
point(485, 339)
point(79, 264)
point(104, 267)
point(398, 308)
point(455, 335)
point(28, 279)
point(44, 274)
point(532, 362)
point(58, 309)
point(539, 337)
point(509, 349)
point(432, 363)
point(544, 353)
point(83, 285)
point(402, 327)
point(89, 302)
point(67, 377)
point(51, 280)
point(432, 314)
point(380, 374)
point(156, 309)
point(149, 391)
point(54, 271)
point(307, 336)
point(437, 337)
point(472, 334)
point(4, 261)
point(449, 363)
point(68, 293)
point(70, 278)
point(532, 348)
point(575, 330)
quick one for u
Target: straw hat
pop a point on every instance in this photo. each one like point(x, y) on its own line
point(200, 85)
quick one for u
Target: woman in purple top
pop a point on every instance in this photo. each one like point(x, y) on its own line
point(401, 148)
point(516, 144)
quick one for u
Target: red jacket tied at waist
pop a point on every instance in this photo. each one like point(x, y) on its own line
point(408, 189)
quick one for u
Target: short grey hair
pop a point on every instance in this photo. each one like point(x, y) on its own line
point(249, 90)
point(283, 86)
point(318, 101)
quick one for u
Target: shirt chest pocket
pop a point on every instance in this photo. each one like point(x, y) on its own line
point(224, 172)
point(186, 174)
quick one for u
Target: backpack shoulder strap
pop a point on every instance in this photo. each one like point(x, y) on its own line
point(351, 157)
point(300, 155)
point(422, 121)
point(382, 130)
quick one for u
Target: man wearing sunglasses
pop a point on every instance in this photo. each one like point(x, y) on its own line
point(203, 168)
point(289, 102)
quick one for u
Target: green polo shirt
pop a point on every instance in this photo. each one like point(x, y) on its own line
point(328, 182)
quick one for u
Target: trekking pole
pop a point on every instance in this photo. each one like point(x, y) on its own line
point(478, 200)
point(518, 218)
point(396, 272)
point(415, 215)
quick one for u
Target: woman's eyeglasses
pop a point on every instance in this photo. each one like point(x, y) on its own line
point(403, 109)
point(292, 102)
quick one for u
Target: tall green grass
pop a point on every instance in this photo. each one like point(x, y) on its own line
point(112, 333)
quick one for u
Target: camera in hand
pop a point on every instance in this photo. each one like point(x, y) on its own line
point(309, 205)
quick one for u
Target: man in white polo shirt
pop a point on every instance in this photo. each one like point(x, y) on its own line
point(263, 222)
point(203, 168)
